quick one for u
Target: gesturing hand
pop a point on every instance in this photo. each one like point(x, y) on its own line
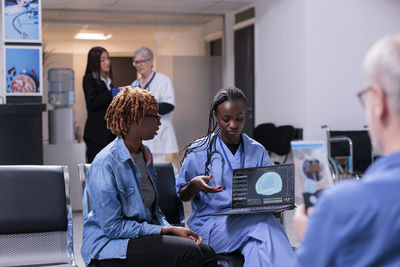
point(200, 183)
point(181, 231)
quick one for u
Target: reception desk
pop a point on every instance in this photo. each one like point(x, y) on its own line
point(21, 138)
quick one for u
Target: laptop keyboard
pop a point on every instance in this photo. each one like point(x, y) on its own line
point(276, 207)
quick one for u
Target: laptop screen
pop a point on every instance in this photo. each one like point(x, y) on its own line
point(263, 186)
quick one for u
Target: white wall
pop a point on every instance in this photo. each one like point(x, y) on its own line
point(229, 57)
point(339, 34)
point(279, 62)
point(308, 59)
point(195, 86)
point(215, 25)
point(186, 42)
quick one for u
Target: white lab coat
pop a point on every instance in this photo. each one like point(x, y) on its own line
point(164, 92)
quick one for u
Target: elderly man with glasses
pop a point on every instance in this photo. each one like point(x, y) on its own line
point(357, 223)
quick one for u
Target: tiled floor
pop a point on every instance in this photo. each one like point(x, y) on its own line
point(77, 220)
point(77, 228)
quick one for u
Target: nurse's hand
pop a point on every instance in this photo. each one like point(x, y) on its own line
point(198, 183)
point(181, 231)
point(201, 184)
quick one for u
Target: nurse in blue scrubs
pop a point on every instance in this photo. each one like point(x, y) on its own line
point(205, 179)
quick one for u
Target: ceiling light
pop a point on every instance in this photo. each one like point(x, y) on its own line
point(93, 36)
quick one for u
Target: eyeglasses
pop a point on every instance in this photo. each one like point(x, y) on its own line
point(158, 117)
point(135, 63)
point(361, 95)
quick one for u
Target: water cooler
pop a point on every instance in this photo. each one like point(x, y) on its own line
point(62, 148)
point(61, 97)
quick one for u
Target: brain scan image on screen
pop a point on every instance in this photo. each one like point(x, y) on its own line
point(269, 183)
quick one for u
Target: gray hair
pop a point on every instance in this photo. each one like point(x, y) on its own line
point(144, 51)
point(382, 67)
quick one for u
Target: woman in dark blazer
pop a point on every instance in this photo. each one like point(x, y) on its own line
point(97, 88)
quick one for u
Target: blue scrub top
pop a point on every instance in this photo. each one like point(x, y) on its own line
point(204, 204)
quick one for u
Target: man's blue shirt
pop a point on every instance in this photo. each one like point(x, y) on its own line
point(118, 212)
point(357, 223)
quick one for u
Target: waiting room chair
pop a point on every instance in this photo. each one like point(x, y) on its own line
point(83, 171)
point(168, 201)
point(35, 216)
point(276, 139)
point(263, 134)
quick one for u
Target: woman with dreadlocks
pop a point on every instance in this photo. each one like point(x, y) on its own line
point(126, 226)
point(205, 178)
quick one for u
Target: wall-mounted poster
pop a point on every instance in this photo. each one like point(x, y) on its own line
point(22, 21)
point(23, 70)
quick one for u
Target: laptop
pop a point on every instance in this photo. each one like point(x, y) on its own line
point(262, 189)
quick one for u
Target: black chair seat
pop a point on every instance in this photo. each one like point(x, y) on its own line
point(168, 201)
point(34, 221)
point(234, 259)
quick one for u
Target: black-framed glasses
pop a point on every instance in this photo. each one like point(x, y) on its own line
point(158, 117)
point(361, 95)
point(137, 62)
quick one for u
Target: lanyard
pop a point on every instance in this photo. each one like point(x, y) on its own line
point(226, 157)
point(146, 86)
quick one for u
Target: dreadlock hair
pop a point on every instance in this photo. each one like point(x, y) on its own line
point(223, 95)
point(129, 105)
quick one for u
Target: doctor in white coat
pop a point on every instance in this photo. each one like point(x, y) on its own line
point(164, 145)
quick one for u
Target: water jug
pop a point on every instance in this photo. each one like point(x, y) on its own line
point(61, 87)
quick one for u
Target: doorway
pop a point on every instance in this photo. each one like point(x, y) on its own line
point(123, 71)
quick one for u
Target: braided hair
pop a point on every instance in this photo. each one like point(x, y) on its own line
point(130, 104)
point(206, 142)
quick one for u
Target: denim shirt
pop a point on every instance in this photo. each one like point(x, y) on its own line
point(204, 204)
point(356, 223)
point(118, 212)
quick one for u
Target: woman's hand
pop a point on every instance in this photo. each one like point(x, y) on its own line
point(181, 231)
point(200, 183)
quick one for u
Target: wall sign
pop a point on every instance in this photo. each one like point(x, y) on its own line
point(22, 21)
point(23, 70)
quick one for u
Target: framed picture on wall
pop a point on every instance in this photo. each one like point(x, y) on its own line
point(23, 70)
point(22, 21)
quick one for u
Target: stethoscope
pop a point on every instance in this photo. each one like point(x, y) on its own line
point(224, 157)
point(146, 86)
point(32, 14)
